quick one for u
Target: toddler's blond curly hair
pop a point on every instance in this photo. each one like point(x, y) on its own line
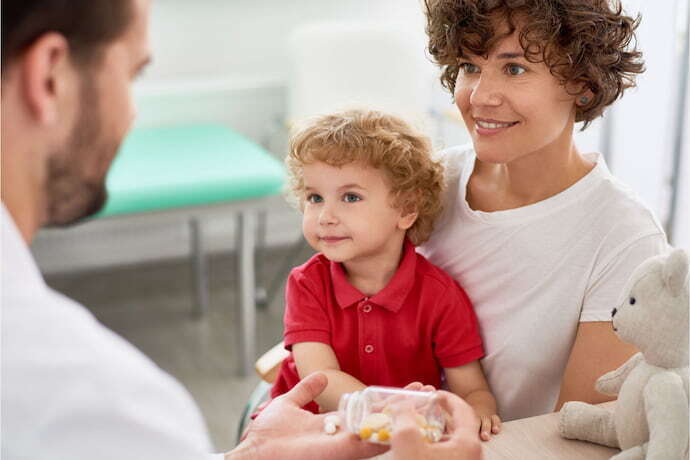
point(380, 141)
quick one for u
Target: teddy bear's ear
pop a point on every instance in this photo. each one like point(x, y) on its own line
point(676, 271)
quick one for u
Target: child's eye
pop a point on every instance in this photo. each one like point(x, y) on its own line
point(351, 198)
point(515, 69)
point(314, 198)
point(468, 68)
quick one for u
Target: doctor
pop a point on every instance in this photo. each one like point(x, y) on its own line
point(71, 388)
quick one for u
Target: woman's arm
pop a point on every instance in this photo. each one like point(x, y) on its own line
point(315, 356)
point(596, 351)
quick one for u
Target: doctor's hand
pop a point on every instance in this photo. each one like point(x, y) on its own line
point(461, 442)
point(284, 430)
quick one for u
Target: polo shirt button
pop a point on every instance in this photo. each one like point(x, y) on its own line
point(367, 308)
point(369, 348)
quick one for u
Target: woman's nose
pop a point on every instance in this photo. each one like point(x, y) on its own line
point(486, 91)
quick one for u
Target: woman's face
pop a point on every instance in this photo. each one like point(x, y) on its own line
point(513, 108)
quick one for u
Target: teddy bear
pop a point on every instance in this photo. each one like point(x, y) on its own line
point(650, 419)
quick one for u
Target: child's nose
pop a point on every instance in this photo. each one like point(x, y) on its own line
point(327, 216)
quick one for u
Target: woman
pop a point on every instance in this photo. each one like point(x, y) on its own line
point(541, 235)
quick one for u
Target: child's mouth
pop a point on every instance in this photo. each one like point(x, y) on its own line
point(332, 239)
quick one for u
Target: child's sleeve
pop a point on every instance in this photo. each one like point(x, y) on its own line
point(456, 338)
point(306, 319)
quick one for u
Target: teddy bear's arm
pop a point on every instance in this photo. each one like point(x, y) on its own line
point(666, 404)
point(611, 382)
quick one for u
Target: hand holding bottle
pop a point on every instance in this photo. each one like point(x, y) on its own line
point(461, 442)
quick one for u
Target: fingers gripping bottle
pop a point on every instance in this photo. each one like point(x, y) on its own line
point(371, 413)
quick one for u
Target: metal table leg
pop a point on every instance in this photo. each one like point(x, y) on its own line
point(246, 225)
point(199, 268)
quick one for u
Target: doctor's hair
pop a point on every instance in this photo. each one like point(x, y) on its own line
point(87, 25)
point(373, 139)
point(586, 44)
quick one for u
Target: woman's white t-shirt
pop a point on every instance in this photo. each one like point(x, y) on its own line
point(533, 273)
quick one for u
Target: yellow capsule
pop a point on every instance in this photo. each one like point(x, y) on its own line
point(365, 433)
point(383, 435)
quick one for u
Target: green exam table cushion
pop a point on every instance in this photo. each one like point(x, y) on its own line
point(188, 165)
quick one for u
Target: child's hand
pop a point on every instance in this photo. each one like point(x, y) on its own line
point(488, 425)
point(418, 386)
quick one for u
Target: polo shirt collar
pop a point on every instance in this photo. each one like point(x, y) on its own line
point(390, 297)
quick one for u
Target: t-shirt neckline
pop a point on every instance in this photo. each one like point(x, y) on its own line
point(535, 210)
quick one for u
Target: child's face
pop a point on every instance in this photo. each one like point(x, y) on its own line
point(348, 213)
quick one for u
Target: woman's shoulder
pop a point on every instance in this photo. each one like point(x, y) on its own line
point(618, 220)
point(456, 151)
point(621, 206)
point(440, 281)
point(455, 158)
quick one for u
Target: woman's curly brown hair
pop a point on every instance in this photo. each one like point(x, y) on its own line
point(380, 141)
point(585, 43)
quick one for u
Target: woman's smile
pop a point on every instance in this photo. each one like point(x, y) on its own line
point(488, 127)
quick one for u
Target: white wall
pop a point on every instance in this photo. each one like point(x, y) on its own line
point(643, 120)
point(228, 60)
point(681, 230)
point(248, 38)
point(221, 60)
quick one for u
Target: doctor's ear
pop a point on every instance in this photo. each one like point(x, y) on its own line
point(45, 69)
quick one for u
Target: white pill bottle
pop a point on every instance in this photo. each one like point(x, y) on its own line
point(370, 413)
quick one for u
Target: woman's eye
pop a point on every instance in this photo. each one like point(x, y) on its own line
point(314, 198)
point(632, 301)
point(468, 68)
point(514, 69)
point(351, 198)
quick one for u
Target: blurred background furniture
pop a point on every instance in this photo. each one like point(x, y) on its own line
point(192, 165)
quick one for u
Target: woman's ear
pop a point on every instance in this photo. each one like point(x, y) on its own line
point(406, 221)
point(581, 92)
point(584, 99)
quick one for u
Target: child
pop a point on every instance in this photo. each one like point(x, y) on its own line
point(367, 309)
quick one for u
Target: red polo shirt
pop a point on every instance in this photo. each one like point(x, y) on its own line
point(421, 322)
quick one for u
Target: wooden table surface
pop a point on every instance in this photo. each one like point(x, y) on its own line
point(538, 438)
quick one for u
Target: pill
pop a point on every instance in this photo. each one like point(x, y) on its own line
point(433, 434)
point(330, 428)
point(383, 435)
point(376, 421)
point(365, 433)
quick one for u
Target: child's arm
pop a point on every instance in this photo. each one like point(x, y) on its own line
point(469, 383)
point(315, 356)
